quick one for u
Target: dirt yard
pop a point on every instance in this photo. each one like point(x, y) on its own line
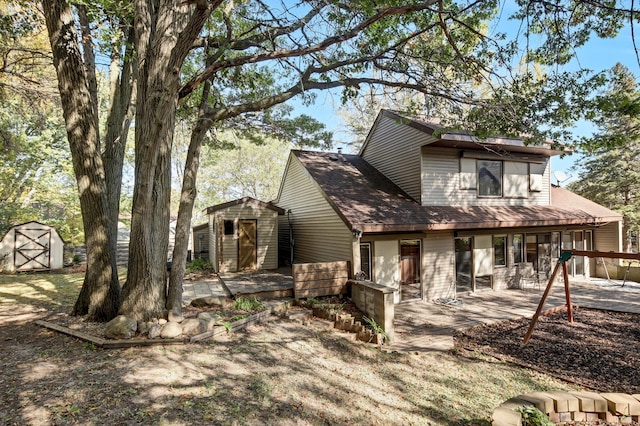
point(280, 373)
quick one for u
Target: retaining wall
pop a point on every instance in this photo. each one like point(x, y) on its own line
point(564, 407)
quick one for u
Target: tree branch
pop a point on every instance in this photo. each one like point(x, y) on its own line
point(285, 53)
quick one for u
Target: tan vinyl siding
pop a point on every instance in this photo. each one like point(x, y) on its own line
point(607, 238)
point(438, 265)
point(443, 180)
point(266, 238)
point(394, 149)
point(319, 233)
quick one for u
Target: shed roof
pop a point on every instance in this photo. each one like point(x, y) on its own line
point(247, 201)
point(365, 199)
point(32, 223)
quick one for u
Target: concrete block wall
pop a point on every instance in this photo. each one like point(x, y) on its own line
point(376, 301)
point(564, 407)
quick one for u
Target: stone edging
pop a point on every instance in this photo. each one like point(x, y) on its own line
point(127, 343)
point(564, 407)
point(347, 322)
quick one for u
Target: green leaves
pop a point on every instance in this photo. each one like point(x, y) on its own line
point(563, 26)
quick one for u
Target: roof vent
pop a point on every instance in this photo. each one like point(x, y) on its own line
point(340, 150)
point(333, 158)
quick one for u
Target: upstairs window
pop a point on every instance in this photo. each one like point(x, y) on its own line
point(489, 178)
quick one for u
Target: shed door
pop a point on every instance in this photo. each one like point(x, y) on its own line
point(247, 244)
point(32, 248)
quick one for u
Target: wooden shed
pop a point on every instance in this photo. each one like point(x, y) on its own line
point(31, 246)
point(243, 235)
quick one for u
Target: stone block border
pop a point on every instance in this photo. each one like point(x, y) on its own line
point(348, 323)
point(565, 407)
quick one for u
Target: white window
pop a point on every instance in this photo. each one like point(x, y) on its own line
point(365, 260)
point(489, 178)
point(516, 179)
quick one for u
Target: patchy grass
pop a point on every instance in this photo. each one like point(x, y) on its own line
point(41, 290)
point(277, 373)
point(248, 304)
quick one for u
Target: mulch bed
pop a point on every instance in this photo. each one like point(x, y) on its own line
point(600, 350)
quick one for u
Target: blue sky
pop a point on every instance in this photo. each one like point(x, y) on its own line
point(597, 55)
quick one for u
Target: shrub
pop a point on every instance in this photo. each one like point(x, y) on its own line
point(199, 265)
point(247, 305)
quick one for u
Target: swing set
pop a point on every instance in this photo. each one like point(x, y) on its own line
point(565, 256)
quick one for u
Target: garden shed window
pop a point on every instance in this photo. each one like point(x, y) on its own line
point(228, 227)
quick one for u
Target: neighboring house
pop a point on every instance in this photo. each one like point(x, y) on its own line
point(431, 213)
point(201, 241)
point(243, 235)
point(31, 246)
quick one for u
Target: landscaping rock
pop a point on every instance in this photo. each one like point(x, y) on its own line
point(193, 326)
point(121, 327)
point(171, 330)
point(203, 302)
point(210, 324)
point(207, 316)
point(143, 328)
point(155, 330)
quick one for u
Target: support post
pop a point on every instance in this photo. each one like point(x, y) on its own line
point(563, 259)
point(567, 292)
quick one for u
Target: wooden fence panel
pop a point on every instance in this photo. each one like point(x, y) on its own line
point(320, 279)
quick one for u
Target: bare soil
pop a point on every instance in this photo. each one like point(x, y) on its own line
point(281, 372)
point(599, 350)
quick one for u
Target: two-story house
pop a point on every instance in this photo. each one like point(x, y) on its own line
point(431, 213)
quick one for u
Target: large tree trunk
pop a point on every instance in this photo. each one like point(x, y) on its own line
point(164, 36)
point(122, 98)
point(185, 211)
point(99, 297)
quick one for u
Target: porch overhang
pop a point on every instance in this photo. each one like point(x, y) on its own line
point(399, 229)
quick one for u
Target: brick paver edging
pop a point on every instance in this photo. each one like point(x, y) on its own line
point(563, 407)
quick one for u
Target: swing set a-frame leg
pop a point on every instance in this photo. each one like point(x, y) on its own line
point(562, 261)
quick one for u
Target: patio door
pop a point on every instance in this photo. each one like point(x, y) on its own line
point(247, 244)
point(410, 286)
point(464, 263)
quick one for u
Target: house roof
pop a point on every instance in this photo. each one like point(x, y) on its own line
point(367, 200)
point(247, 201)
point(451, 138)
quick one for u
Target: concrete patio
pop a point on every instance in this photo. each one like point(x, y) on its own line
point(428, 326)
point(421, 326)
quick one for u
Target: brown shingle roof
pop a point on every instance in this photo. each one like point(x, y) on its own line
point(247, 201)
point(367, 200)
